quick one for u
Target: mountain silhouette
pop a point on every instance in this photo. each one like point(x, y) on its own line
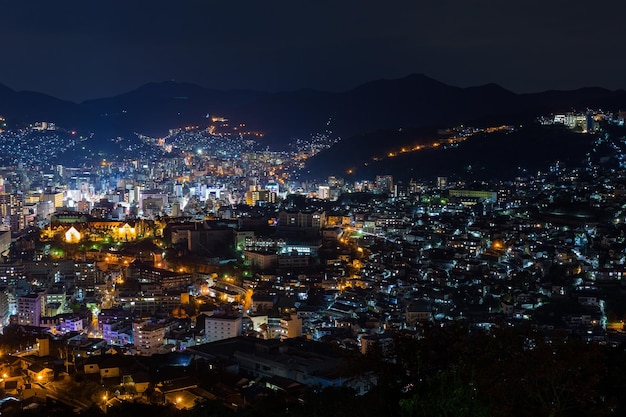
point(414, 101)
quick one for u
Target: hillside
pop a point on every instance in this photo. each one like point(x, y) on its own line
point(501, 155)
point(414, 101)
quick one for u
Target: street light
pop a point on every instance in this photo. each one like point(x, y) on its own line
point(105, 399)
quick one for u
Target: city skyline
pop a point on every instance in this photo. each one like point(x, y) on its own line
point(80, 51)
point(362, 234)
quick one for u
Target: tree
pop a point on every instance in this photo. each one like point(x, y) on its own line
point(449, 394)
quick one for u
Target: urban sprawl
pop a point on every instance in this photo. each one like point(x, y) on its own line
point(200, 248)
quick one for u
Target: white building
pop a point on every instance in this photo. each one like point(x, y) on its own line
point(148, 338)
point(323, 192)
point(116, 333)
point(222, 327)
point(73, 324)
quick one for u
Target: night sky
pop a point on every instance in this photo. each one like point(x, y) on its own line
point(79, 49)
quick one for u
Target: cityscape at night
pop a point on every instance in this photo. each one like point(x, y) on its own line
point(269, 209)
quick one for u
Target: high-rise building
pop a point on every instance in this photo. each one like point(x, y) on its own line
point(55, 197)
point(29, 309)
point(401, 190)
point(11, 212)
point(323, 192)
point(45, 209)
point(273, 187)
point(4, 307)
point(335, 181)
point(384, 183)
point(253, 197)
point(5, 242)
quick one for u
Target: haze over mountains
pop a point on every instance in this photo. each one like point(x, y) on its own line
point(413, 101)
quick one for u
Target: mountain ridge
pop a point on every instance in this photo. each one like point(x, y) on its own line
point(415, 101)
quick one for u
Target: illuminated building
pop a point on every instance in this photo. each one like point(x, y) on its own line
point(45, 208)
point(152, 201)
point(44, 126)
point(301, 220)
point(490, 196)
point(87, 276)
point(55, 198)
point(384, 183)
point(83, 206)
point(4, 307)
point(166, 279)
point(323, 192)
point(5, 242)
point(263, 260)
point(290, 327)
point(72, 235)
point(222, 327)
point(273, 188)
point(418, 312)
point(11, 211)
point(335, 181)
point(126, 232)
point(57, 296)
point(29, 309)
point(253, 197)
point(140, 304)
point(148, 338)
point(115, 333)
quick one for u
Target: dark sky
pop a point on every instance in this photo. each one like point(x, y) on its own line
point(80, 49)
